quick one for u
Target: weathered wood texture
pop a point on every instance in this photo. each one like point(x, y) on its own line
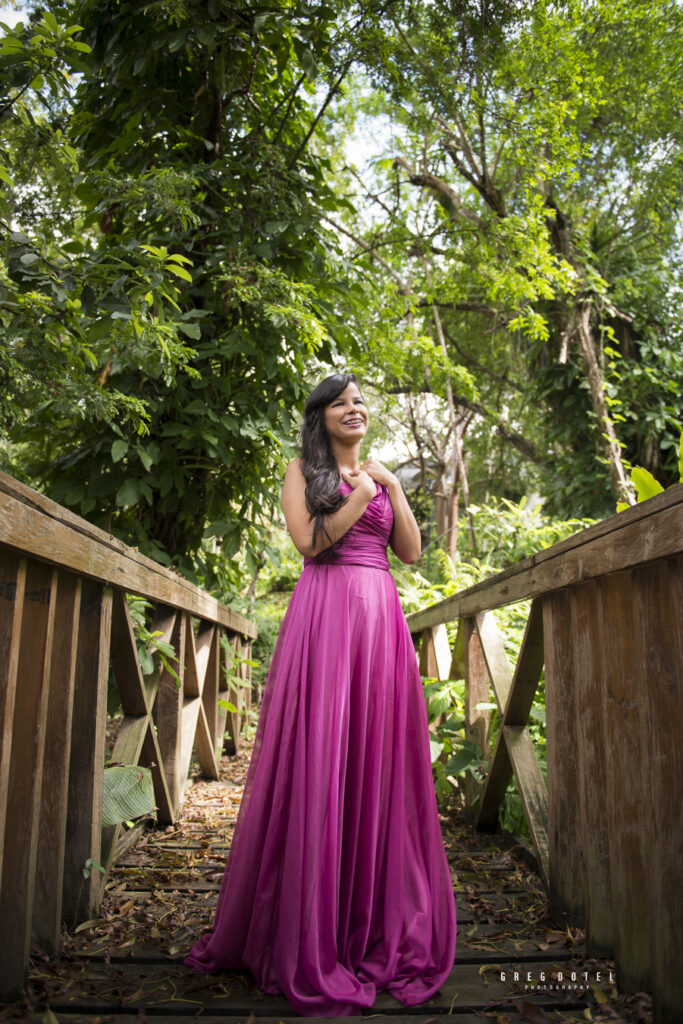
point(35, 525)
point(608, 831)
point(647, 531)
point(64, 627)
point(614, 697)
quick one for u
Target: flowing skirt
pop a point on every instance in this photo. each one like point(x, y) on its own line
point(337, 883)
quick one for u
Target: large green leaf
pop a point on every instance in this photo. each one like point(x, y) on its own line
point(645, 484)
point(128, 793)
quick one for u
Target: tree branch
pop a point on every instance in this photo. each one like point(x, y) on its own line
point(328, 99)
point(453, 203)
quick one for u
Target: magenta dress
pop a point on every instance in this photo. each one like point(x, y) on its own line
point(337, 883)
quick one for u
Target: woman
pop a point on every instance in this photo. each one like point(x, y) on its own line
point(337, 883)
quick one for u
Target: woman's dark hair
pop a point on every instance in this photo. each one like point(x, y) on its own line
point(318, 464)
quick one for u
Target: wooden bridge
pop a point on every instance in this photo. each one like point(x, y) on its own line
point(607, 833)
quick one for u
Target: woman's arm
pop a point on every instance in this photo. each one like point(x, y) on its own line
point(405, 539)
point(299, 523)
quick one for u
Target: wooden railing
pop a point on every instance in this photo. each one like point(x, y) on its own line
point(606, 621)
point(64, 624)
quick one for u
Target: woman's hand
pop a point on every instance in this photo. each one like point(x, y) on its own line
point(379, 472)
point(405, 538)
point(360, 479)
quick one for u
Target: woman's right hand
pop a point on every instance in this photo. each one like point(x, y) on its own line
point(363, 480)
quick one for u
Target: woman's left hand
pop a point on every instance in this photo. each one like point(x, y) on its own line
point(378, 472)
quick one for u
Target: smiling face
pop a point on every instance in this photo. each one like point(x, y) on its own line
point(346, 417)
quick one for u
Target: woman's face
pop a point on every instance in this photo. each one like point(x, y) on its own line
point(346, 417)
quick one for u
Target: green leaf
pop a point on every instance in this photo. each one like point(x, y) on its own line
point(645, 484)
point(435, 748)
point(128, 493)
point(118, 450)
point(179, 271)
point(128, 794)
point(85, 925)
point(680, 459)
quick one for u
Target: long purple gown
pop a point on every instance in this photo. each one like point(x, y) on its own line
point(337, 883)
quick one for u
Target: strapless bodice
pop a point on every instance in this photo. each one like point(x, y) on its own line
point(365, 543)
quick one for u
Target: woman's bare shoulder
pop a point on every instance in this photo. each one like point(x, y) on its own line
point(294, 468)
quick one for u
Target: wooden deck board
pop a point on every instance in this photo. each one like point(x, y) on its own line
point(503, 925)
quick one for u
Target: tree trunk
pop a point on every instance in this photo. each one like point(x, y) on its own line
point(622, 485)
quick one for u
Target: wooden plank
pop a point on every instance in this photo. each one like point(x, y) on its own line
point(167, 715)
point(210, 694)
point(493, 650)
point(649, 530)
point(532, 790)
point(203, 739)
point(137, 742)
point(12, 586)
point(517, 699)
point(105, 989)
point(223, 695)
point(134, 703)
point(385, 1018)
point(232, 737)
point(127, 750)
point(626, 796)
point(457, 669)
point(528, 669)
point(151, 758)
point(585, 624)
point(191, 684)
point(125, 661)
point(17, 886)
point(477, 720)
point(34, 524)
point(188, 729)
point(660, 594)
point(203, 645)
point(435, 653)
point(564, 822)
point(47, 910)
point(84, 813)
point(495, 787)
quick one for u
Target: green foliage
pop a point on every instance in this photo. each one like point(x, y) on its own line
point(522, 185)
point(646, 485)
point(508, 531)
point(149, 643)
point(128, 794)
point(165, 296)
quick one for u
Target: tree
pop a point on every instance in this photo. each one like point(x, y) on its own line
point(528, 199)
point(202, 274)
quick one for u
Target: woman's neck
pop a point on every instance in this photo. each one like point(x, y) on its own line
point(347, 456)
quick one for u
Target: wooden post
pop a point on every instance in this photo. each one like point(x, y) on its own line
point(22, 820)
point(210, 692)
point(167, 716)
point(232, 738)
point(514, 749)
point(660, 593)
point(12, 586)
point(626, 795)
point(477, 720)
point(587, 639)
point(47, 910)
point(435, 653)
point(566, 862)
point(86, 765)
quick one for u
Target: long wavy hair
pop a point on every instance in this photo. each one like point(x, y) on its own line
point(318, 464)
